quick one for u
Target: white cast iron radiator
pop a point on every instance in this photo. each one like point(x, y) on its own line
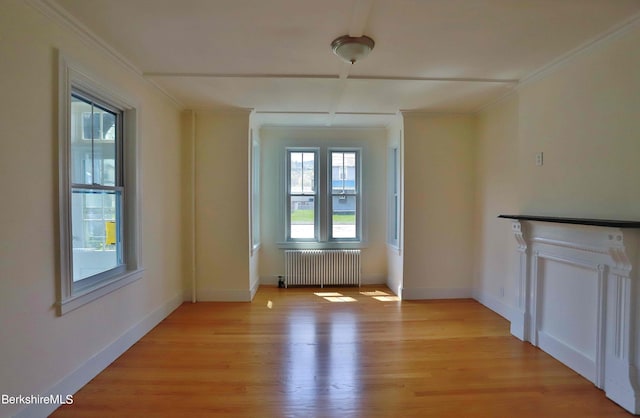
point(322, 267)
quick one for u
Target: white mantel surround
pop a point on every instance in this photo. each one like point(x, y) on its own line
point(579, 297)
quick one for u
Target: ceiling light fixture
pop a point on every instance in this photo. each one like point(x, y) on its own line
point(351, 48)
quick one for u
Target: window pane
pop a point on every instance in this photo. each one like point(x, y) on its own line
point(343, 218)
point(343, 172)
point(295, 165)
point(93, 143)
point(302, 217)
point(108, 126)
point(308, 172)
point(96, 221)
point(104, 162)
point(81, 161)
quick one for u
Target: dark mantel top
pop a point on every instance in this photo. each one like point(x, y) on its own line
point(576, 221)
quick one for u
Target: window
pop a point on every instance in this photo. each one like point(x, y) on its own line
point(97, 188)
point(315, 213)
point(302, 194)
point(393, 197)
point(255, 193)
point(344, 197)
point(99, 245)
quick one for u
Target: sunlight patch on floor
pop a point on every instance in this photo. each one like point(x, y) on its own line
point(387, 298)
point(340, 299)
point(374, 293)
point(327, 294)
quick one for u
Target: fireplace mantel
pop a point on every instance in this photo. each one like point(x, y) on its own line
point(578, 297)
point(612, 223)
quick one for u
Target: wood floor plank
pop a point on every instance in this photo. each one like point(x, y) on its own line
point(309, 357)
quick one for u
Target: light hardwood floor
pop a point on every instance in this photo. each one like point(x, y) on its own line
point(309, 357)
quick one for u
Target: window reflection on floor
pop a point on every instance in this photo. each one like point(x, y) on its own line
point(323, 363)
point(301, 372)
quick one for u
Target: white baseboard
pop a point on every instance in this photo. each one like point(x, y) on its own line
point(568, 355)
point(212, 295)
point(435, 293)
point(495, 304)
point(75, 380)
point(254, 288)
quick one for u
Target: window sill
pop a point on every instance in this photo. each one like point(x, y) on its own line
point(395, 248)
point(325, 245)
point(77, 300)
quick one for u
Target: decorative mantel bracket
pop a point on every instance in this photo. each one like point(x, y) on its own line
point(578, 297)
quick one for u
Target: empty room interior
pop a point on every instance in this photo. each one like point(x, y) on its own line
point(320, 208)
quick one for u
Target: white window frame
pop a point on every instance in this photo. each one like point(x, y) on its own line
point(393, 197)
point(316, 194)
point(72, 76)
point(357, 194)
point(255, 195)
point(322, 224)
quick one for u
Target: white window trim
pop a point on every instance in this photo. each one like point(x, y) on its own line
point(316, 200)
point(395, 244)
point(358, 194)
point(322, 242)
point(72, 75)
point(254, 192)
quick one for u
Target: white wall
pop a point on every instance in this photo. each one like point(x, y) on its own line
point(373, 143)
point(583, 115)
point(222, 206)
point(39, 350)
point(497, 191)
point(438, 205)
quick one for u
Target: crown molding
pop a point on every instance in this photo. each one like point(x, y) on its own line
point(599, 41)
point(57, 14)
point(503, 97)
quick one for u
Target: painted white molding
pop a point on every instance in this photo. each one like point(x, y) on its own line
point(495, 304)
point(254, 288)
point(599, 41)
point(59, 15)
point(422, 293)
point(75, 380)
point(559, 261)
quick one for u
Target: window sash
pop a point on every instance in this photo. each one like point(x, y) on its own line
point(343, 178)
point(99, 264)
point(302, 231)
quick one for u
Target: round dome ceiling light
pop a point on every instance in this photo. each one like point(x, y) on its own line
point(351, 48)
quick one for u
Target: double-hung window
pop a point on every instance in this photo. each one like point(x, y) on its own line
point(302, 194)
point(97, 189)
point(323, 199)
point(99, 219)
point(344, 195)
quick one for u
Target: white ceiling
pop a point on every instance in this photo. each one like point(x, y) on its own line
point(274, 55)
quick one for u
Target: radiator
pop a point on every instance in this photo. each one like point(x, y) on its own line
point(322, 267)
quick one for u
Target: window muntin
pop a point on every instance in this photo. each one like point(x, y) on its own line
point(302, 195)
point(97, 190)
point(344, 195)
point(323, 195)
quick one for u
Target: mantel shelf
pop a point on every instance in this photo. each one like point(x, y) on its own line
point(611, 223)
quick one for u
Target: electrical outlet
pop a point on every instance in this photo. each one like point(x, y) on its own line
point(539, 159)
